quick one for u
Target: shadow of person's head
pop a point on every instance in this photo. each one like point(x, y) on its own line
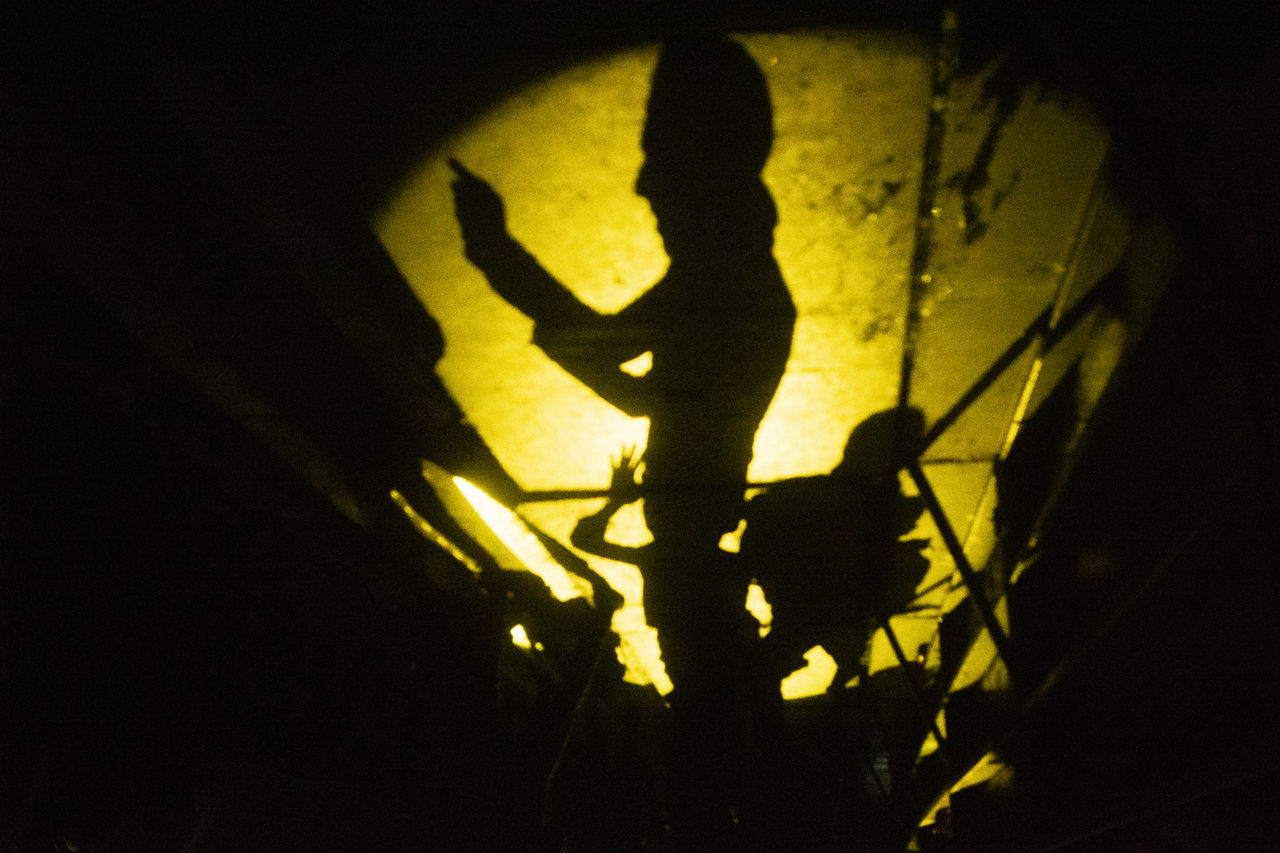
point(707, 134)
point(882, 445)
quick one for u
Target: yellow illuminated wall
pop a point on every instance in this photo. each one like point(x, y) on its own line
point(850, 116)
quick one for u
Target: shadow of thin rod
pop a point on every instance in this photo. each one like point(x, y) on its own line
point(970, 578)
point(988, 377)
point(922, 703)
point(1080, 310)
point(1065, 285)
point(1039, 326)
point(935, 131)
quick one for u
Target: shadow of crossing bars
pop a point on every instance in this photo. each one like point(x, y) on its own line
point(985, 611)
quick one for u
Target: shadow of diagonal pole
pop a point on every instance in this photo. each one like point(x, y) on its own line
point(985, 610)
point(1041, 328)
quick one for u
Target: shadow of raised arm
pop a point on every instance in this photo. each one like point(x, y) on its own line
point(589, 533)
point(589, 345)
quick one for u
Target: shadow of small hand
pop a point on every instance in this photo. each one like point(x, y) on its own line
point(623, 488)
point(480, 213)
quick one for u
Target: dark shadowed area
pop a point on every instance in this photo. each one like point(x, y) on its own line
point(217, 632)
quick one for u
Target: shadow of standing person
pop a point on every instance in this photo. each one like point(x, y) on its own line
point(718, 326)
point(828, 552)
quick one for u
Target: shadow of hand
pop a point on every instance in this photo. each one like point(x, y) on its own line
point(480, 213)
point(623, 487)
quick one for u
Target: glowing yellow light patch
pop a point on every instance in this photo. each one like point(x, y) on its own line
point(814, 678)
point(982, 655)
point(520, 637)
point(516, 535)
point(912, 632)
point(758, 606)
point(850, 115)
point(627, 526)
point(929, 747)
point(638, 366)
point(639, 652)
point(638, 649)
point(983, 770)
point(731, 542)
point(976, 662)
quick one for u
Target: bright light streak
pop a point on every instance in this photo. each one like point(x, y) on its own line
point(435, 536)
point(515, 534)
point(520, 637)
